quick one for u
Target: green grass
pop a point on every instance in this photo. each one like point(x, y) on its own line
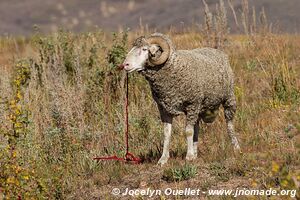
point(185, 172)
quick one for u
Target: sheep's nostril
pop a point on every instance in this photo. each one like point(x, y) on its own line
point(126, 64)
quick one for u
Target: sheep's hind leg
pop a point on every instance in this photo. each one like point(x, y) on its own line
point(167, 136)
point(229, 111)
point(195, 138)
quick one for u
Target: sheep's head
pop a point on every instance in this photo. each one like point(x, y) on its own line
point(154, 49)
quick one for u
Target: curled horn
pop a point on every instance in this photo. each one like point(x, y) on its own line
point(165, 47)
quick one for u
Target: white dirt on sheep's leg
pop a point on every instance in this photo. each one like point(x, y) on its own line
point(167, 137)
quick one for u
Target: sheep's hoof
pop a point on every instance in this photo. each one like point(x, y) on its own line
point(163, 160)
point(190, 157)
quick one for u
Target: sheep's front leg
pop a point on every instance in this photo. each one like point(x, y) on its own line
point(167, 137)
point(189, 131)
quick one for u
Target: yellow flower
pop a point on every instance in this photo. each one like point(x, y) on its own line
point(284, 183)
point(275, 167)
point(17, 82)
point(18, 125)
point(17, 111)
point(19, 95)
point(10, 180)
point(26, 177)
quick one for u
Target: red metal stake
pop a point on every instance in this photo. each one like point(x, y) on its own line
point(129, 157)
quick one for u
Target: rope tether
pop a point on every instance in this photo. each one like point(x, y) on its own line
point(129, 157)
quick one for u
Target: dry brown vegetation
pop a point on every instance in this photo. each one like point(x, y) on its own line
point(61, 104)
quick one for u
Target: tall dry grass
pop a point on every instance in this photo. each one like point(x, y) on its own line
point(74, 96)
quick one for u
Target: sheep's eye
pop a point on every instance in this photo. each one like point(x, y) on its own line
point(144, 49)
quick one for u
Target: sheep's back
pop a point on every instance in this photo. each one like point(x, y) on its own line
point(203, 74)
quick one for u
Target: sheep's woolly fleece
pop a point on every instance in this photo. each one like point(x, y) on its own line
point(192, 82)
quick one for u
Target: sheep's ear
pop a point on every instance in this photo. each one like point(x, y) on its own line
point(153, 49)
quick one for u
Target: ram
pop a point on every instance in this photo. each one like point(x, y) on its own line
point(191, 82)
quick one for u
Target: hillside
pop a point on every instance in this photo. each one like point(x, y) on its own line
point(19, 17)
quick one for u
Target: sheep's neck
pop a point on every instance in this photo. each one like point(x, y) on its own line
point(159, 80)
point(156, 76)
